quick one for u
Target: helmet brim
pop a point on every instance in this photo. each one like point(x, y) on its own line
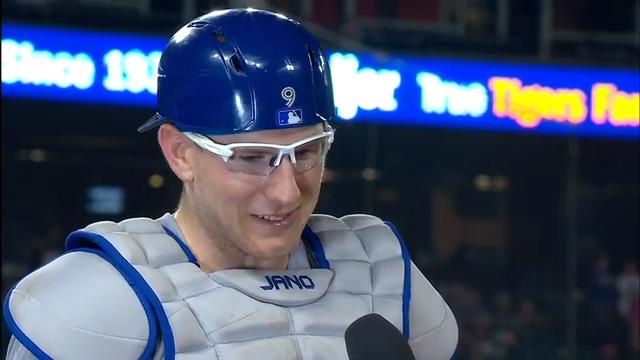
point(154, 121)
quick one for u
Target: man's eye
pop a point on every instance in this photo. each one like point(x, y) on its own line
point(305, 153)
point(252, 158)
point(308, 150)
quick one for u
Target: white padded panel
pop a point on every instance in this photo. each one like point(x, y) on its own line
point(142, 226)
point(275, 348)
point(127, 247)
point(207, 353)
point(376, 241)
point(159, 282)
point(161, 249)
point(387, 306)
point(388, 277)
point(103, 227)
point(271, 320)
point(221, 307)
point(191, 336)
point(360, 221)
point(332, 347)
point(352, 277)
point(187, 279)
point(342, 244)
point(323, 222)
point(331, 314)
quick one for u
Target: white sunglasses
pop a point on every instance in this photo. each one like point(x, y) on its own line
point(263, 158)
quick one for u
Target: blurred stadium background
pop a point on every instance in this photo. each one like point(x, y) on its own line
point(530, 234)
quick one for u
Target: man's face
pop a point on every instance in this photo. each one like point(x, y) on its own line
point(262, 216)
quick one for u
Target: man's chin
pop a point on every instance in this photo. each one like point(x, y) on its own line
point(274, 246)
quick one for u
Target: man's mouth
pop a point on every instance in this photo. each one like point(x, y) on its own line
point(275, 218)
point(272, 218)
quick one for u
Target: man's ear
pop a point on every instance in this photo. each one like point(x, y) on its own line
point(174, 146)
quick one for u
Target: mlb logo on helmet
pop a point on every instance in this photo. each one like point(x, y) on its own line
point(289, 117)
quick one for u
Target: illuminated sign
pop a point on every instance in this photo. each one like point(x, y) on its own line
point(68, 65)
point(438, 96)
point(497, 96)
point(85, 66)
point(22, 63)
point(363, 88)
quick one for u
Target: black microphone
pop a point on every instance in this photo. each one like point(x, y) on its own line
point(372, 337)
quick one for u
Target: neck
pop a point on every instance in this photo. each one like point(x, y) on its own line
point(215, 253)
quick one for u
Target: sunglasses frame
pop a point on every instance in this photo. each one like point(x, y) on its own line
point(225, 151)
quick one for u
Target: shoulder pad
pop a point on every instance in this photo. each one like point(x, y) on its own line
point(434, 330)
point(79, 307)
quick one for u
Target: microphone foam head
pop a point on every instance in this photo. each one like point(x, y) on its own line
point(372, 337)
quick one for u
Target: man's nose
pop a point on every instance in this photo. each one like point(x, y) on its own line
point(282, 185)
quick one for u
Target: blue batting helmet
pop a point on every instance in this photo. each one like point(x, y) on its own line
point(240, 70)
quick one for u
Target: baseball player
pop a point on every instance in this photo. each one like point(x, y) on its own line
point(242, 269)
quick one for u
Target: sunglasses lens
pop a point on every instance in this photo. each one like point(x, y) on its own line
point(252, 160)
